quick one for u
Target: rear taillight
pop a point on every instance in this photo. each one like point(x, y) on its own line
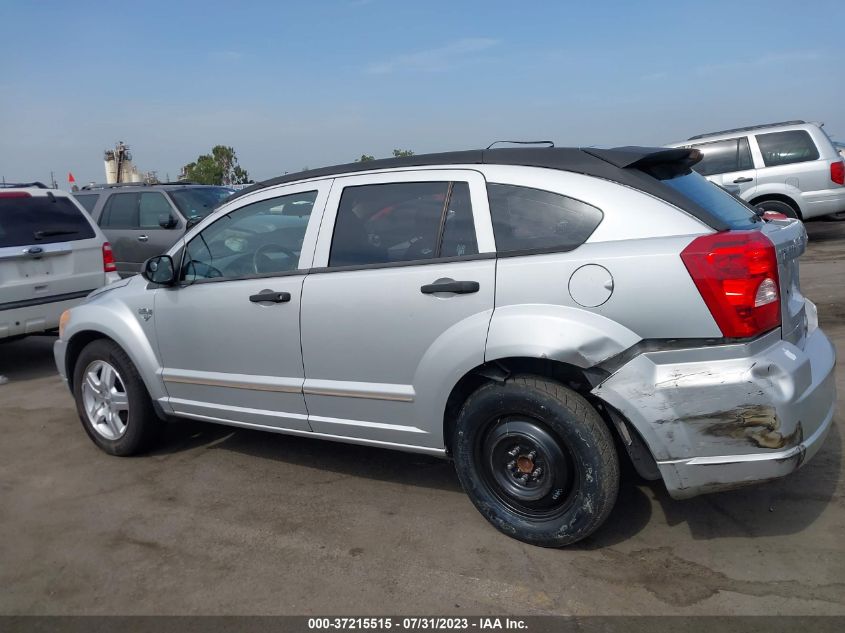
point(108, 259)
point(837, 172)
point(14, 194)
point(736, 273)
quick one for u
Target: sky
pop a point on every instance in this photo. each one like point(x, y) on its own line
point(292, 85)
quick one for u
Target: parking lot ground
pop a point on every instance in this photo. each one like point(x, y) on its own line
point(222, 520)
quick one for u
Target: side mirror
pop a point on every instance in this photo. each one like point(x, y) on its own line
point(193, 221)
point(167, 221)
point(159, 270)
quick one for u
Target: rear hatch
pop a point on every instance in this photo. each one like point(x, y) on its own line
point(788, 236)
point(790, 240)
point(48, 248)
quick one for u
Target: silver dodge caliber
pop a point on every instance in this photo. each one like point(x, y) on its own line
point(531, 313)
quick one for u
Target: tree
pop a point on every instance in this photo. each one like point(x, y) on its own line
point(364, 158)
point(218, 168)
point(398, 153)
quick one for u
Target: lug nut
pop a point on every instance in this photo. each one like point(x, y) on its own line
point(514, 451)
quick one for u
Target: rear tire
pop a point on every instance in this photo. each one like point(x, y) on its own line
point(536, 460)
point(112, 402)
point(778, 206)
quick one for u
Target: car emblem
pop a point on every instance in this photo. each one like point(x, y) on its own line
point(146, 313)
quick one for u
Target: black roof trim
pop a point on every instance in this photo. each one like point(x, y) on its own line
point(637, 167)
point(747, 129)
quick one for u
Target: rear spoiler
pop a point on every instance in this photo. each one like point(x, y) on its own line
point(660, 162)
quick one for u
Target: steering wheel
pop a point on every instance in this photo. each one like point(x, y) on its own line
point(260, 260)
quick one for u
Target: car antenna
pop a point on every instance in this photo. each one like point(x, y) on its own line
point(549, 143)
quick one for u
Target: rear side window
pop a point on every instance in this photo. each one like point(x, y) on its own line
point(716, 200)
point(724, 157)
point(41, 220)
point(785, 148)
point(88, 200)
point(398, 222)
point(526, 219)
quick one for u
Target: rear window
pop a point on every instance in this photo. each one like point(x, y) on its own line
point(41, 220)
point(716, 200)
point(785, 148)
point(87, 200)
point(526, 219)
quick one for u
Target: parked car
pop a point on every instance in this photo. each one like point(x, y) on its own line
point(529, 313)
point(790, 168)
point(144, 220)
point(51, 256)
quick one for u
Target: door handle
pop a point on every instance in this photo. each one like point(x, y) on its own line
point(143, 238)
point(270, 297)
point(745, 179)
point(458, 287)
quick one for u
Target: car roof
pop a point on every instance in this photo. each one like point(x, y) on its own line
point(100, 187)
point(34, 191)
point(712, 137)
point(633, 166)
point(589, 161)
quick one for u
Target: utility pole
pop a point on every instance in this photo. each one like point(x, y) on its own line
point(53, 183)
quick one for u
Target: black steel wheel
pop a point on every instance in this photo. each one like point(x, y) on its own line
point(536, 460)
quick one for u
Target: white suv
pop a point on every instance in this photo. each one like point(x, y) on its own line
point(791, 168)
point(51, 256)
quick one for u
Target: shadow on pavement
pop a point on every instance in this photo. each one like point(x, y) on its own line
point(410, 469)
point(783, 506)
point(28, 358)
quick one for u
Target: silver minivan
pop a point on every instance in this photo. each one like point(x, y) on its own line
point(791, 168)
point(532, 314)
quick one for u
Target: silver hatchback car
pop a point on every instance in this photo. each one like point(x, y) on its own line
point(532, 313)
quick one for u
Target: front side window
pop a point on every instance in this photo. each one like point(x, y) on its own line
point(723, 157)
point(121, 212)
point(785, 148)
point(264, 237)
point(526, 219)
point(400, 222)
point(151, 207)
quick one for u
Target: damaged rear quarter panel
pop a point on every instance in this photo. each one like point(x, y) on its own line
point(699, 403)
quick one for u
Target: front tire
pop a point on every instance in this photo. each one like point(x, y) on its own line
point(536, 460)
point(112, 402)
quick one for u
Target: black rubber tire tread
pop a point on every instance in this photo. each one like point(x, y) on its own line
point(143, 426)
point(572, 417)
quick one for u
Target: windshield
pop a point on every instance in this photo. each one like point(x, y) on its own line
point(197, 202)
point(722, 204)
point(41, 220)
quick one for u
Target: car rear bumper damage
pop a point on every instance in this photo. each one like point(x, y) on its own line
point(716, 418)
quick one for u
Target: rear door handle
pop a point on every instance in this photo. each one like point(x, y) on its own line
point(458, 287)
point(270, 297)
point(143, 238)
point(745, 179)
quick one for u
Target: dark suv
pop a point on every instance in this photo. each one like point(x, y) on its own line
point(141, 221)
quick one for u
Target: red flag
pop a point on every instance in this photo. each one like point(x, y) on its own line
point(70, 177)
